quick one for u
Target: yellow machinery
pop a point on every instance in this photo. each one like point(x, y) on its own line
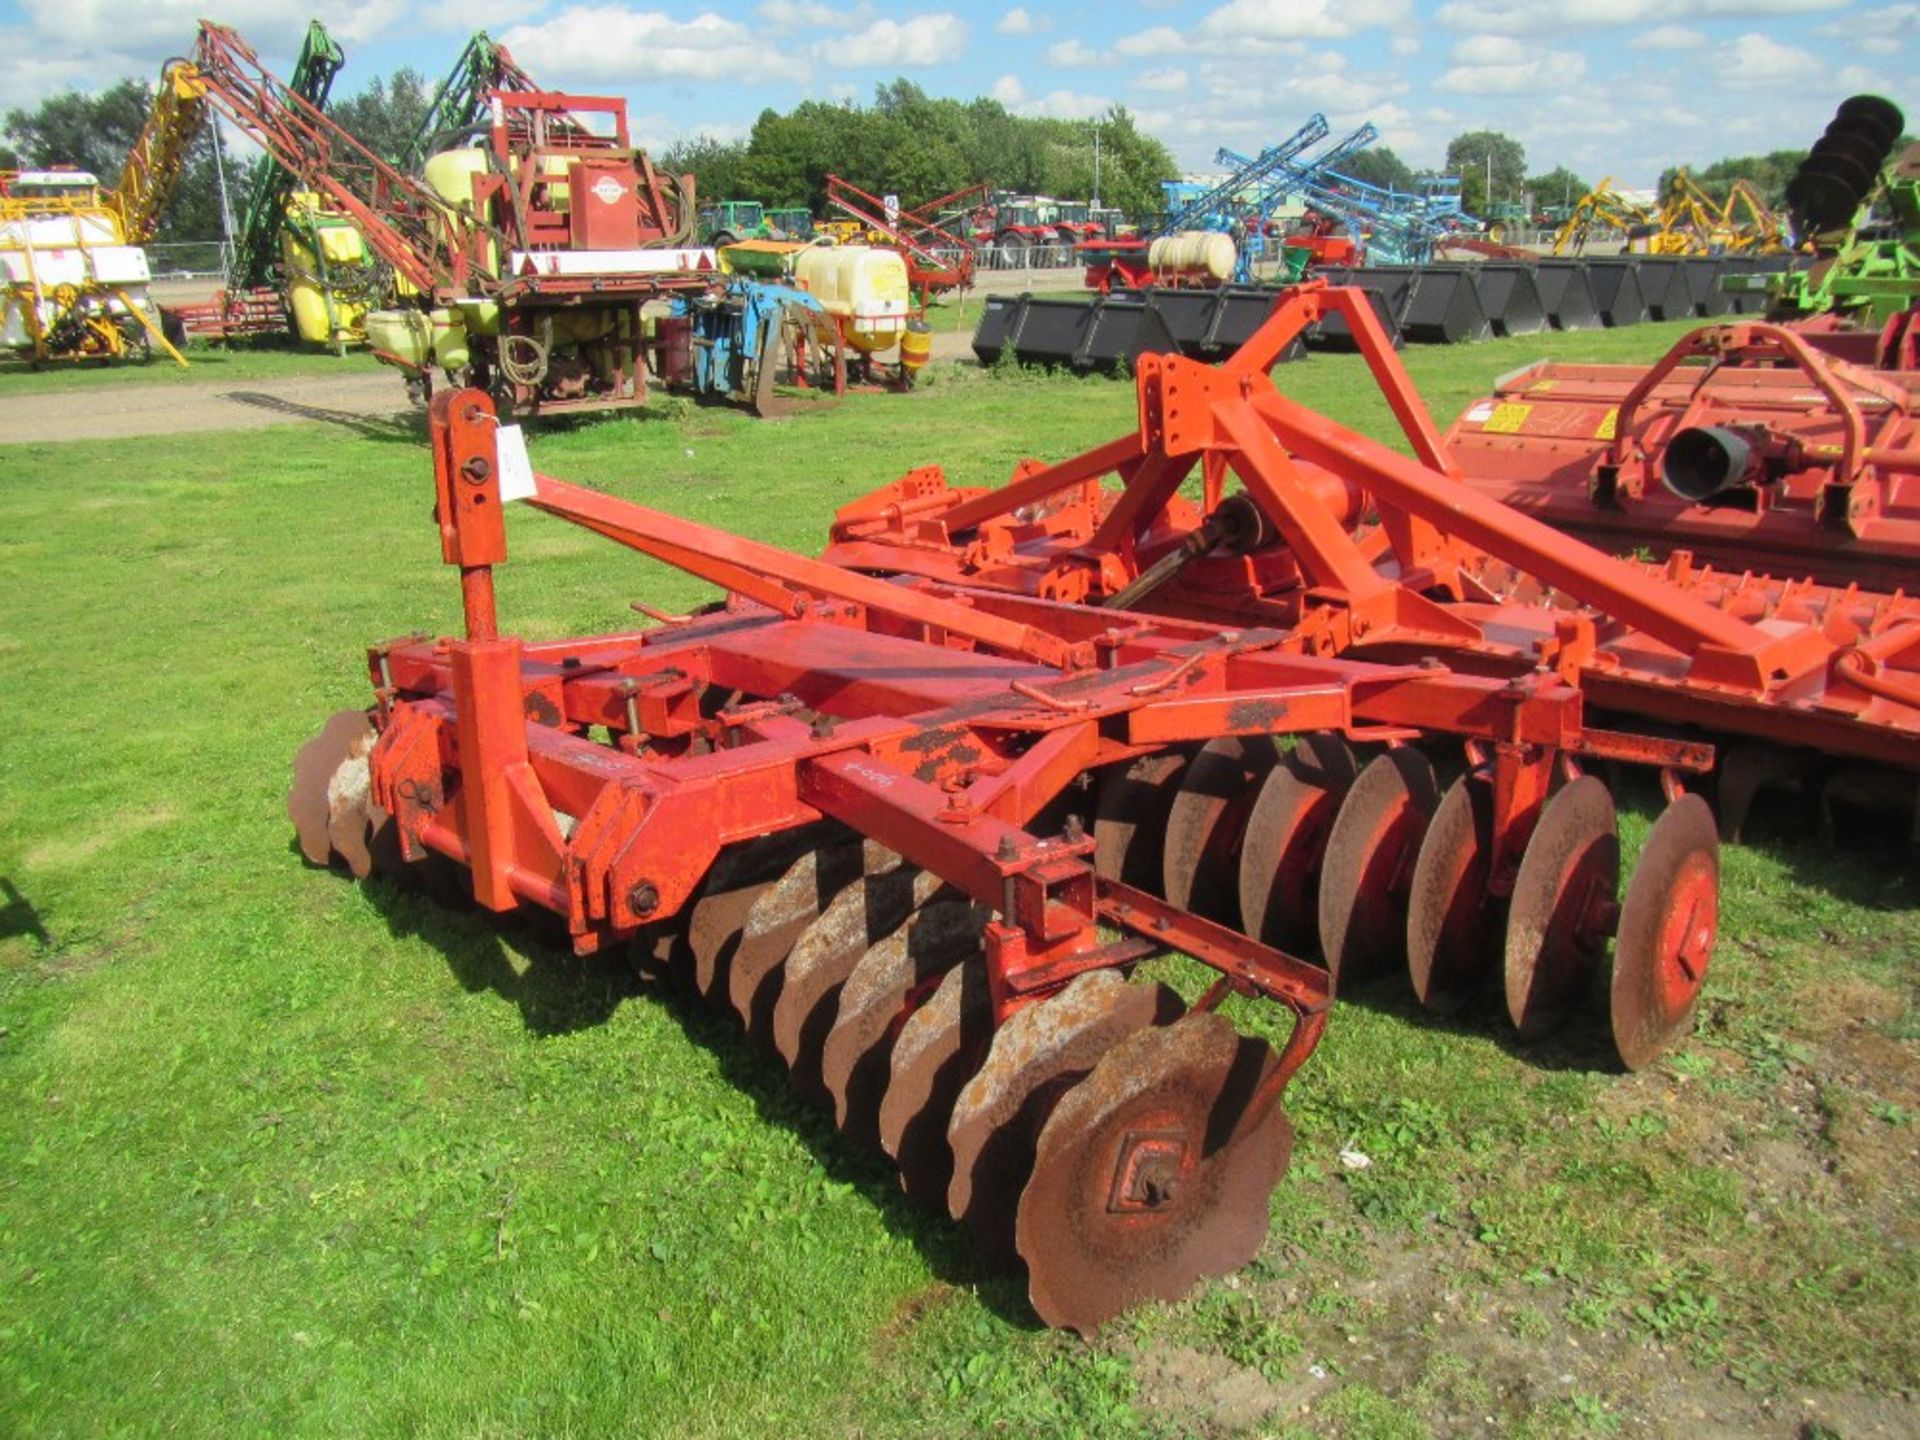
point(1688, 221)
point(72, 287)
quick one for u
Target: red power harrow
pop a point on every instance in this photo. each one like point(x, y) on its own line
point(839, 804)
point(1747, 445)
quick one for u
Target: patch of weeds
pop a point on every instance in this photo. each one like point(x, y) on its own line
point(1592, 1412)
point(1889, 1112)
point(1528, 1322)
point(1694, 1064)
point(1596, 1307)
point(1076, 1392)
point(1642, 1125)
point(1678, 1311)
point(1360, 1410)
point(1234, 1323)
point(1450, 1383)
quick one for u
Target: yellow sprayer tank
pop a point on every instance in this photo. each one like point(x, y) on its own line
point(401, 337)
point(863, 288)
point(1193, 252)
point(450, 175)
point(322, 315)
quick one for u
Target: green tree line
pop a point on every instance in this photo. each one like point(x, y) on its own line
point(916, 147)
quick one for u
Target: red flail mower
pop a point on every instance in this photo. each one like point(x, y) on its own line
point(1750, 445)
point(846, 802)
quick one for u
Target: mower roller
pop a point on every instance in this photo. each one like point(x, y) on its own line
point(849, 807)
point(1747, 445)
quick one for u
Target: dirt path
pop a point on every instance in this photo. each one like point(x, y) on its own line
point(134, 410)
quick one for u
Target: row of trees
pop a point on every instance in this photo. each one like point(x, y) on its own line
point(917, 147)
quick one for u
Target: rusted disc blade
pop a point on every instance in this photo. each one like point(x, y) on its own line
point(1369, 860)
point(886, 985)
point(782, 914)
point(825, 954)
point(1668, 923)
point(740, 877)
point(1286, 838)
point(933, 1055)
point(313, 769)
point(1131, 815)
point(1559, 916)
point(1038, 1051)
point(1450, 929)
point(350, 807)
point(1199, 862)
point(1144, 1180)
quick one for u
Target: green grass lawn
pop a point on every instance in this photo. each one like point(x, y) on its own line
point(206, 364)
point(280, 1154)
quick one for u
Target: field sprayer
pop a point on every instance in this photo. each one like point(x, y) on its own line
point(523, 255)
point(839, 803)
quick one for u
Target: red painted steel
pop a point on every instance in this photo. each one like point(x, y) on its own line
point(1441, 570)
point(1814, 462)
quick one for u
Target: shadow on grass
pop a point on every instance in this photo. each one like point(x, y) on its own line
point(523, 960)
point(409, 428)
point(18, 916)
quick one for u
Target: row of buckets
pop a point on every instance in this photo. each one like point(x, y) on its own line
point(1435, 304)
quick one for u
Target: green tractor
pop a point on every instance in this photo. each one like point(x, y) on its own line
point(732, 220)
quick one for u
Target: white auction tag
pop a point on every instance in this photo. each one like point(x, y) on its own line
point(516, 470)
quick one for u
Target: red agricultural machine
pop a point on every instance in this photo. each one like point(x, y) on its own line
point(839, 802)
point(524, 252)
point(1746, 445)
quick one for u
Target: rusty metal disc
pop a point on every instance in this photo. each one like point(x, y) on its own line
point(1200, 856)
point(1286, 837)
point(350, 808)
point(889, 982)
point(782, 914)
point(1668, 923)
point(825, 954)
point(1450, 923)
point(1151, 1173)
point(935, 1052)
point(1130, 816)
point(1560, 914)
point(1369, 860)
point(739, 878)
point(313, 769)
point(1041, 1049)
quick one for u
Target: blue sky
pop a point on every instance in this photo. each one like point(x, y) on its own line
point(1622, 87)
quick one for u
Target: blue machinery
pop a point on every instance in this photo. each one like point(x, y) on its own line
point(743, 340)
point(1400, 227)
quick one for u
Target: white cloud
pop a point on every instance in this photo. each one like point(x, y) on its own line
point(921, 41)
point(1668, 37)
point(1009, 91)
point(121, 26)
point(611, 44)
point(1021, 21)
point(1525, 17)
point(810, 15)
point(1887, 30)
point(1066, 105)
point(1174, 79)
point(1755, 62)
point(471, 14)
point(1072, 55)
point(1160, 40)
point(1256, 20)
point(1404, 45)
point(1502, 65)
